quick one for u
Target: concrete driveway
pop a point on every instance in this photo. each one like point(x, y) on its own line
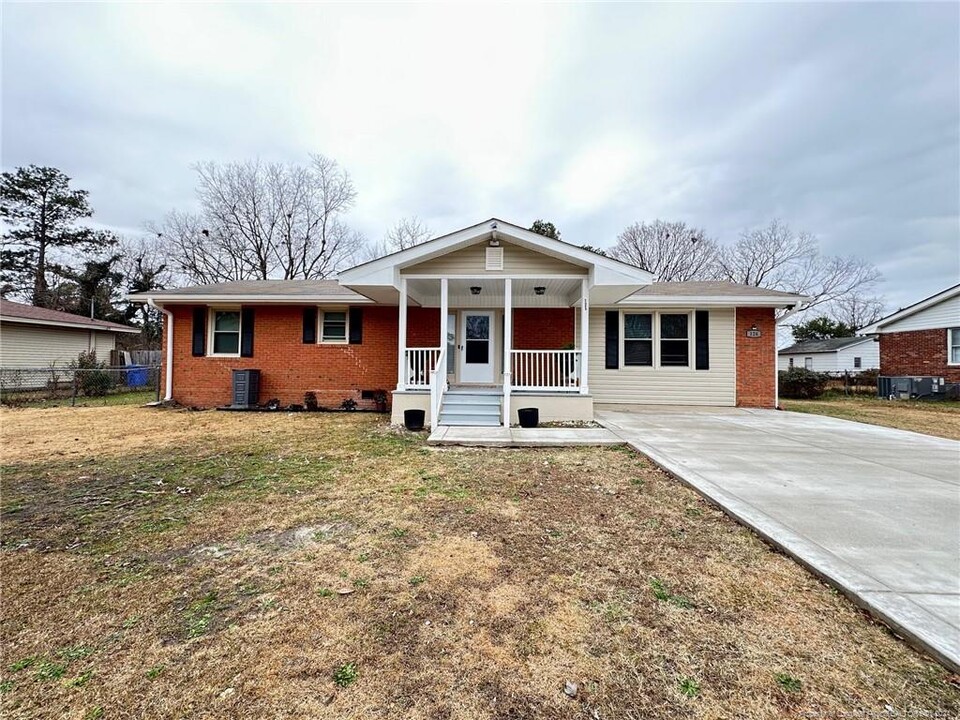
point(875, 511)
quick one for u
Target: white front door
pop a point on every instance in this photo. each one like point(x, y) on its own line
point(477, 350)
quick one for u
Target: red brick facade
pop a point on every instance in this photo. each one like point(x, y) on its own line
point(543, 328)
point(290, 368)
point(756, 358)
point(917, 352)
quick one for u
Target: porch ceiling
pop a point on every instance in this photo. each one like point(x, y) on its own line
point(558, 292)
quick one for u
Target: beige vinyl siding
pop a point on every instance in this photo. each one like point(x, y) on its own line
point(35, 346)
point(670, 385)
point(516, 260)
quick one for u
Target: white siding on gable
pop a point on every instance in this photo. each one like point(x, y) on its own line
point(942, 315)
point(35, 346)
point(868, 352)
point(837, 361)
point(668, 385)
point(516, 259)
point(822, 362)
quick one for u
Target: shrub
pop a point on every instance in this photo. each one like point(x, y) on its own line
point(802, 384)
point(91, 377)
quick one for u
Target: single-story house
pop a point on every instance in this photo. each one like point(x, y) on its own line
point(35, 337)
point(470, 326)
point(922, 340)
point(833, 355)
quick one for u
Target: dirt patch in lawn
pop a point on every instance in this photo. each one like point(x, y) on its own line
point(290, 566)
point(940, 419)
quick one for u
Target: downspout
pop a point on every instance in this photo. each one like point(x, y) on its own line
point(168, 393)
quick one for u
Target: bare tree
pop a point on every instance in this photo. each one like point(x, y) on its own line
point(407, 233)
point(265, 220)
point(857, 310)
point(778, 258)
point(672, 251)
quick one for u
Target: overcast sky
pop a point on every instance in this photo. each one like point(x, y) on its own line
point(843, 120)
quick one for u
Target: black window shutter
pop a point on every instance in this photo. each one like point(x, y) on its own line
point(612, 344)
point(246, 332)
point(356, 325)
point(199, 331)
point(309, 325)
point(702, 323)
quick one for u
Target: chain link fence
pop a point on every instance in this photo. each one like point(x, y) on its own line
point(51, 386)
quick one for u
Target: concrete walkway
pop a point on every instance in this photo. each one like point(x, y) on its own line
point(874, 511)
point(522, 437)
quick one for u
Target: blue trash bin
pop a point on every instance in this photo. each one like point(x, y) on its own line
point(136, 376)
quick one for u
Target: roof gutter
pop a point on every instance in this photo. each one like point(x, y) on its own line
point(168, 379)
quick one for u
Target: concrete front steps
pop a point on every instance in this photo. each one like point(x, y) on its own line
point(471, 407)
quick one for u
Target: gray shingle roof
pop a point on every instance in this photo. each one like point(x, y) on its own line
point(710, 288)
point(14, 311)
point(289, 288)
point(820, 346)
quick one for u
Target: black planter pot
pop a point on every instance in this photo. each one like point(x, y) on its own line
point(413, 419)
point(529, 417)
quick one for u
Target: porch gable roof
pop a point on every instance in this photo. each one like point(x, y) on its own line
point(384, 272)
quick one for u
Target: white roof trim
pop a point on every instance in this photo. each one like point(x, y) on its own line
point(712, 300)
point(69, 325)
point(252, 299)
point(906, 312)
point(384, 271)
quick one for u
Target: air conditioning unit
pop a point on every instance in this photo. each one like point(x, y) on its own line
point(246, 388)
point(910, 388)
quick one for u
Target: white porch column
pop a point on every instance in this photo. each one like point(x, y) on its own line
point(444, 313)
point(507, 347)
point(402, 340)
point(584, 336)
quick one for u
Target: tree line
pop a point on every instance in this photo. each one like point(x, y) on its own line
point(260, 220)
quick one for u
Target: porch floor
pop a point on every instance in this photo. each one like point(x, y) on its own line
point(522, 437)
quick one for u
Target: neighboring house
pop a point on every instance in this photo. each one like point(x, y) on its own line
point(472, 325)
point(34, 337)
point(833, 355)
point(922, 340)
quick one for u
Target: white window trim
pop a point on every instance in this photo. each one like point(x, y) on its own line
point(211, 317)
point(655, 338)
point(950, 344)
point(321, 314)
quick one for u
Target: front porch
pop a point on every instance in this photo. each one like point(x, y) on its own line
point(503, 343)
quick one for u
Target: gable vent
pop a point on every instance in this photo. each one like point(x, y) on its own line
point(494, 258)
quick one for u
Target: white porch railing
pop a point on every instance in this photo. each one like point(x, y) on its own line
point(420, 363)
point(547, 370)
point(438, 386)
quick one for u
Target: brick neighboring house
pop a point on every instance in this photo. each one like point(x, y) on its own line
point(473, 324)
point(922, 340)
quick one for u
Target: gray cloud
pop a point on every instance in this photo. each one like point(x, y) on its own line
point(843, 120)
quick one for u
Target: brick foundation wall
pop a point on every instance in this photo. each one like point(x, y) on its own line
point(334, 372)
point(543, 328)
point(756, 358)
point(917, 352)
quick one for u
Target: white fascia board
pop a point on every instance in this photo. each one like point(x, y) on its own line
point(906, 312)
point(711, 301)
point(385, 270)
point(69, 325)
point(251, 299)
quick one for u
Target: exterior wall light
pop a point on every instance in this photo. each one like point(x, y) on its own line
point(474, 289)
point(539, 289)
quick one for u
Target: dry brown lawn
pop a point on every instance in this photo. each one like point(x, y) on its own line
point(941, 419)
point(170, 564)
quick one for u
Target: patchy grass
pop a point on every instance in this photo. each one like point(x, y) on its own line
point(940, 419)
point(172, 563)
